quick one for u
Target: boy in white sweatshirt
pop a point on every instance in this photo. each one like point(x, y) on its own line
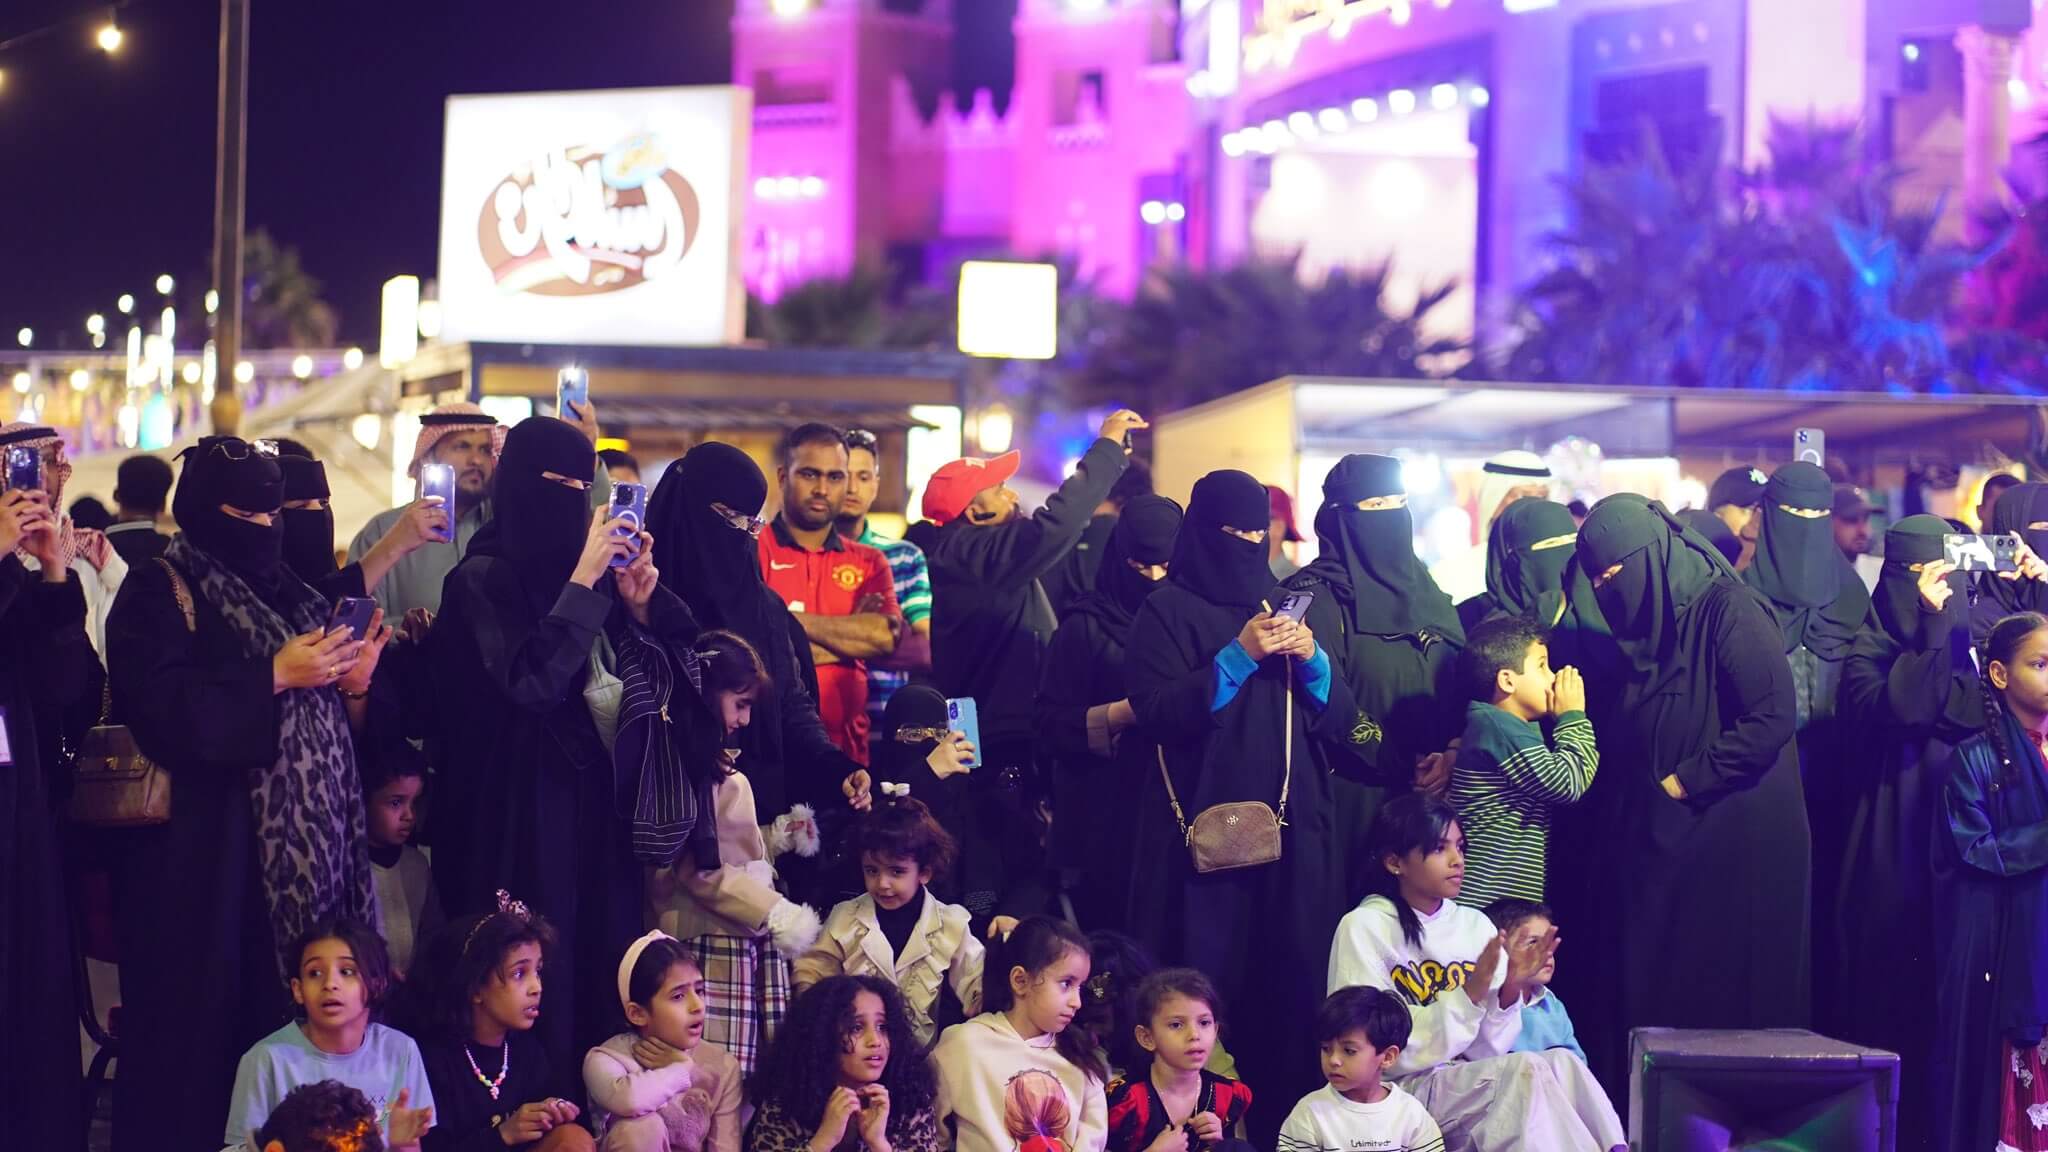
point(1464, 987)
point(1361, 1031)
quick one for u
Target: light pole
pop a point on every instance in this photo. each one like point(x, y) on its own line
point(230, 151)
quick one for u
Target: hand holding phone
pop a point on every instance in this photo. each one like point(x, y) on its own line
point(572, 394)
point(24, 471)
point(629, 508)
point(353, 613)
point(963, 717)
point(438, 480)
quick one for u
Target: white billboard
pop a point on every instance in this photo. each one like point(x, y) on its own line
point(608, 217)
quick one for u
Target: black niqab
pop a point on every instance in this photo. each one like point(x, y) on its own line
point(1526, 554)
point(540, 524)
point(1819, 601)
point(1145, 533)
point(1916, 540)
point(226, 470)
point(714, 567)
point(1215, 564)
point(308, 532)
point(1665, 568)
point(1368, 558)
point(2018, 507)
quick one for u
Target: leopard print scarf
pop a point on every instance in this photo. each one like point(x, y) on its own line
point(311, 841)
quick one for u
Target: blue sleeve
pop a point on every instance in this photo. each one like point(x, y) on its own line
point(1234, 666)
point(1314, 675)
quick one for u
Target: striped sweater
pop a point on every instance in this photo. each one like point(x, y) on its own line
point(1504, 784)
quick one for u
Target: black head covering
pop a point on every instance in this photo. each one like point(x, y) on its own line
point(2017, 507)
point(1665, 568)
point(1916, 540)
point(714, 567)
point(213, 476)
point(308, 532)
point(1818, 599)
point(1526, 553)
point(1146, 532)
point(1214, 564)
point(1368, 558)
point(539, 525)
point(913, 706)
point(1715, 530)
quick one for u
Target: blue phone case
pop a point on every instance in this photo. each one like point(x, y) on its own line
point(629, 501)
point(571, 388)
point(962, 717)
point(354, 612)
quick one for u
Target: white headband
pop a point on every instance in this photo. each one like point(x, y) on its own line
point(633, 952)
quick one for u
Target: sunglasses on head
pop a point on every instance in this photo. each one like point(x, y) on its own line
point(236, 449)
point(751, 525)
point(907, 735)
point(860, 438)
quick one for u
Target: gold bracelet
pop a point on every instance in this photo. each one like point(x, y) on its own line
point(348, 695)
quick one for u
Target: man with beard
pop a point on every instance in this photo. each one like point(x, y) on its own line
point(840, 591)
point(464, 437)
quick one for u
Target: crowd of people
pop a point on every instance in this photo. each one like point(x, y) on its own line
point(1099, 828)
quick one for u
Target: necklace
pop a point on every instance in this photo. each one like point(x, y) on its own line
point(504, 1065)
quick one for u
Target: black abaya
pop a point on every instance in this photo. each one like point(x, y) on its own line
point(1262, 933)
point(1710, 891)
point(1911, 686)
point(49, 670)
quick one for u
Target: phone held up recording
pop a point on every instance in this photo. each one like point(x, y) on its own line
point(629, 503)
point(439, 480)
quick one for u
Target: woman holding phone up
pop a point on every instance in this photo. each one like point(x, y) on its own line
point(227, 675)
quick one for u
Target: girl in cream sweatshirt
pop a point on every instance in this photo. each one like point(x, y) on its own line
point(1016, 1078)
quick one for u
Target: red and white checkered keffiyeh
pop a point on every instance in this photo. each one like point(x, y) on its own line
point(431, 434)
point(73, 541)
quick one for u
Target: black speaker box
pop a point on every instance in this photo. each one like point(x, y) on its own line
point(1759, 1091)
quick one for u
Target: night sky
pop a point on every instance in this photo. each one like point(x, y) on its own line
point(106, 165)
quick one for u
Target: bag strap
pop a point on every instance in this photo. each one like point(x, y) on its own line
point(183, 593)
point(1286, 777)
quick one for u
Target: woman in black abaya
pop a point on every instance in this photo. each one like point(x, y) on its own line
point(545, 659)
point(705, 515)
point(1082, 709)
point(244, 707)
point(1233, 697)
point(2022, 511)
point(1821, 607)
point(1526, 555)
point(1393, 638)
point(1710, 855)
point(1910, 683)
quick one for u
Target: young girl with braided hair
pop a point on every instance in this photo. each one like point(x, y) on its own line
point(1991, 884)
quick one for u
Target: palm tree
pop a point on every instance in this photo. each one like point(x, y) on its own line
point(283, 308)
point(1192, 335)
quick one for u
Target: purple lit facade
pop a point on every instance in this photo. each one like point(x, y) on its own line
point(1427, 132)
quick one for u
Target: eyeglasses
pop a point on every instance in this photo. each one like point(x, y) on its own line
point(860, 438)
point(920, 735)
point(751, 525)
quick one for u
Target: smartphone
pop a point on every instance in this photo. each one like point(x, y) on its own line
point(1295, 606)
point(439, 480)
point(962, 717)
point(1982, 553)
point(572, 386)
point(629, 503)
point(24, 469)
point(1810, 445)
point(353, 613)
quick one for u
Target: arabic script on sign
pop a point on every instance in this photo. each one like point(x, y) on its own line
point(583, 221)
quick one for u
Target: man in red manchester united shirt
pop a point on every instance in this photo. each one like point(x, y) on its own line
point(840, 591)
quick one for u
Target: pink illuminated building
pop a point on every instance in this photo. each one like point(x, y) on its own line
point(1425, 132)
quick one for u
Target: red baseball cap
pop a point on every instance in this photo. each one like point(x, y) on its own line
point(954, 486)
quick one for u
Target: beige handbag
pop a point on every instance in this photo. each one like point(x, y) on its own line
point(116, 786)
point(1241, 834)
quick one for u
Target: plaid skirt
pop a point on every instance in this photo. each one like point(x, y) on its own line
point(747, 982)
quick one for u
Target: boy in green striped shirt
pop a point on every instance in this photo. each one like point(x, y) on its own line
point(1507, 778)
